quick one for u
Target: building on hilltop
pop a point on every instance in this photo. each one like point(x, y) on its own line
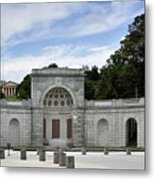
point(9, 88)
point(59, 115)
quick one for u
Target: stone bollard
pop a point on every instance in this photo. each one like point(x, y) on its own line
point(38, 150)
point(23, 154)
point(106, 151)
point(2, 154)
point(56, 157)
point(70, 163)
point(42, 155)
point(128, 151)
point(84, 151)
point(62, 159)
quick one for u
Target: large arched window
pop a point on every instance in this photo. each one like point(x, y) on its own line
point(131, 132)
point(103, 132)
point(58, 97)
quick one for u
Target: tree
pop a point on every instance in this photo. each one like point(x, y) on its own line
point(91, 78)
point(52, 65)
point(2, 95)
point(124, 74)
point(24, 88)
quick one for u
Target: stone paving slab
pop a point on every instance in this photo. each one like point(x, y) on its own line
point(93, 160)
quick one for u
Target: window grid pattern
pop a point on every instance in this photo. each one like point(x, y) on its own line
point(58, 97)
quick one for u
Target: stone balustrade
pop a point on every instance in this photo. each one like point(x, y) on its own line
point(22, 103)
point(116, 102)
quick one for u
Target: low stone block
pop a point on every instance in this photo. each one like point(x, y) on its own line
point(106, 151)
point(128, 151)
point(70, 162)
point(56, 157)
point(42, 155)
point(23, 154)
point(38, 150)
point(2, 154)
point(62, 159)
point(84, 151)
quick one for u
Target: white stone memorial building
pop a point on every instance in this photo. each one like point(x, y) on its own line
point(58, 115)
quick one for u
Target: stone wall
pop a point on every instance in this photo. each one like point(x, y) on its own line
point(86, 128)
point(94, 123)
point(15, 123)
point(116, 113)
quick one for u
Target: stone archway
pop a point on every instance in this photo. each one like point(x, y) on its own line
point(58, 103)
point(131, 132)
point(14, 132)
point(103, 132)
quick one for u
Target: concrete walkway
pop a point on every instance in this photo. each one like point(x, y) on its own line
point(92, 160)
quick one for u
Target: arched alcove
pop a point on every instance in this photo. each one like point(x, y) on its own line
point(58, 97)
point(57, 104)
point(103, 132)
point(131, 132)
point(14, 132)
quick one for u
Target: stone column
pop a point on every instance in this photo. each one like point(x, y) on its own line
point(78, 136)
point(70, 163)
point(10, 91)
point(84, 151)
point(106, 151)
point(128, 151)
point(37, 130)
point(2, 154)
point(42, 155)
point(6, 91)
point(62, 159)
point(23, 154)
point(56, 157)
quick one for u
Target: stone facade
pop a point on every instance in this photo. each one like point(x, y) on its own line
point(58, 115)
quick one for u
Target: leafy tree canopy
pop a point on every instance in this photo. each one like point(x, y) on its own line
point(24, 88)
point(123, 75)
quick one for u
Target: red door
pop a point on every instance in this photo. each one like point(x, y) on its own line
point(55, 128)
point(69, 128)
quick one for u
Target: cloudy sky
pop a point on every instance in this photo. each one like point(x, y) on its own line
point(69, 34)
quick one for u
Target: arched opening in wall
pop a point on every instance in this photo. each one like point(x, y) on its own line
point(103, 132)
point(131, 132)
point(58, 104)
point(14, 132)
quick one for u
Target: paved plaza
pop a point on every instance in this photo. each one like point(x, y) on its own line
point(92, 160)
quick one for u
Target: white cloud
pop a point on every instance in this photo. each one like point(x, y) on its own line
point(30, 22)
point(103, 18)
point(23, 23)
point(24, 17)
point(16, 68)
